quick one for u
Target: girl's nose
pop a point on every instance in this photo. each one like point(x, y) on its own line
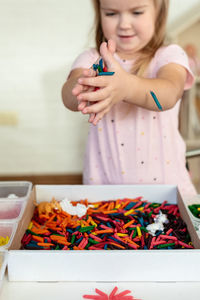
point(124, 21)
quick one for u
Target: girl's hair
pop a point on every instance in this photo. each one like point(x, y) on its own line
point(155, 43)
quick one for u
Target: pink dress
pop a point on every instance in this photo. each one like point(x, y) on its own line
point(133, 145)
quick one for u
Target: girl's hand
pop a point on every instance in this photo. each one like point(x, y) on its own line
point(112, 88)
point(79, 88)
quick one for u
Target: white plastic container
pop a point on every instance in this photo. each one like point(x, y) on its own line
point(7, 229)
point(3, 264)
point(21, 189)
point(11, 209)
point(112, 265)
point(13, 199)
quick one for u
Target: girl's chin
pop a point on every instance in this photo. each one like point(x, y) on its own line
point(127, 50)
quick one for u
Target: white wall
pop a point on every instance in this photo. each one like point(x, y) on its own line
point(180, 7)
point(39, 39)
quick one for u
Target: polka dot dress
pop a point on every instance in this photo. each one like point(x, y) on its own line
point(132, 145)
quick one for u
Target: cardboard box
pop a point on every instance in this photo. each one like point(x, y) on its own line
point(112, 265)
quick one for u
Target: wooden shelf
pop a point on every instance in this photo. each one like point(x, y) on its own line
point(192, 144)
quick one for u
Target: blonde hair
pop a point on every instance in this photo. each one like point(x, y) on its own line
point(155, 43)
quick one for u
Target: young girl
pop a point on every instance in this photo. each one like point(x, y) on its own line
point(133, 142)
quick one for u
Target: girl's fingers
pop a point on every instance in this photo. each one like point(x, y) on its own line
point(93, 96)
point(112, 46)
point(98, 81)
point(99, 116)
point(91, 118)
point(82, 105)
point(107, 56)
point(79, 88)
point(89, 72)
point(97, 107)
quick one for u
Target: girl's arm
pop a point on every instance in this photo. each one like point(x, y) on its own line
point(71, 89)
point(168, 87)
point(70, 100)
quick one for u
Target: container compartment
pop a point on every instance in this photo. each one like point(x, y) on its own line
point(11, 209)
point(21, 189)
point(7, 229)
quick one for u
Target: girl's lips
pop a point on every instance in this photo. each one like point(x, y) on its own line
point(126, 36)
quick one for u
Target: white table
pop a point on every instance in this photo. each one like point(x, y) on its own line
point(75, 290)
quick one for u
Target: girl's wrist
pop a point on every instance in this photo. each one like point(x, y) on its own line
point(131, 86)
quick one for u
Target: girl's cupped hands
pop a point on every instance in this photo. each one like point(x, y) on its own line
point(111, 89)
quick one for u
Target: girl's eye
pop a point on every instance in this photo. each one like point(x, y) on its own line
point(110, 14)
point(137, 12)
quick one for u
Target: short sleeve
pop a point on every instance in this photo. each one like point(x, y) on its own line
point(174, 54)
point(85, 59)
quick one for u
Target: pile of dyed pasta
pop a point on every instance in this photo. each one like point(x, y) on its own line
point(4, 240)
point(195, 210)
point(108, 225)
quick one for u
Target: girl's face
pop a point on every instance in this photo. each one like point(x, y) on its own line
point(130, 23)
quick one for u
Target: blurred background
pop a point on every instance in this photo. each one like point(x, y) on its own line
point(40, 140)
